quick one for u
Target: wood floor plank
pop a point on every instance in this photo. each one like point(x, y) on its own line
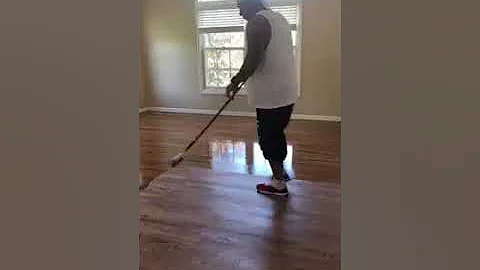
point(195, 218)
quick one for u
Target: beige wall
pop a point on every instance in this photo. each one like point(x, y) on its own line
point(143, 68)
point(174, 81)
point(142, 79)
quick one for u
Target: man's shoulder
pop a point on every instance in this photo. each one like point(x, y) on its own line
point(259, 21)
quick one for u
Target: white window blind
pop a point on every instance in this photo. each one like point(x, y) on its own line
point(220, 18)
point(225, 14)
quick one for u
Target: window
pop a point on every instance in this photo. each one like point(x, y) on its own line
point(222, 40)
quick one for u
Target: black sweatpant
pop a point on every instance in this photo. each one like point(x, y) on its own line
point(271, 124)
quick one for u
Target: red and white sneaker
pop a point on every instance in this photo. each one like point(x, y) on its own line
point(276, 187)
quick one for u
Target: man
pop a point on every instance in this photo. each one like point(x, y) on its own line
point(269, 75)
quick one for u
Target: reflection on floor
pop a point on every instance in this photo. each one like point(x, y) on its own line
point(231, 145)
point(242, 157)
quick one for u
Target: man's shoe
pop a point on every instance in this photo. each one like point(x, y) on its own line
point(268, 189)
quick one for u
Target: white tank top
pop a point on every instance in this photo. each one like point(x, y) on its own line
point(274, 83)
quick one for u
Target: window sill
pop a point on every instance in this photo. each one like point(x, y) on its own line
point(221, 91)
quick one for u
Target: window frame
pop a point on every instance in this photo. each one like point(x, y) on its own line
point(201, 63)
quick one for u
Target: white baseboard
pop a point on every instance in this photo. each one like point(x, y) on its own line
point(316, 117)
point(236, 113)
point(142, 110)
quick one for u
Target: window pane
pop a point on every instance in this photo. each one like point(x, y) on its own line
point(232, 39)
point(237, 58)
point(217, 78)
point(224, 78)
point(217, 59)
point(211, 78)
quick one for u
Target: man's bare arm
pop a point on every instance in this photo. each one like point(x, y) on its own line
point(258, 38)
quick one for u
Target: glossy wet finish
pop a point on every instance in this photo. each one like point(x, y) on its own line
point(199, 219)
point(231, 145)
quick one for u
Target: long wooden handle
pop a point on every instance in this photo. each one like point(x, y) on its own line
point(213, 119)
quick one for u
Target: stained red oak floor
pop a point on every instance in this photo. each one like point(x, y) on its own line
point(201, 219)
point(230, 145)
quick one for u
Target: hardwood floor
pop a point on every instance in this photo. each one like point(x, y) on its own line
point(201, 219)
point(231, 145)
